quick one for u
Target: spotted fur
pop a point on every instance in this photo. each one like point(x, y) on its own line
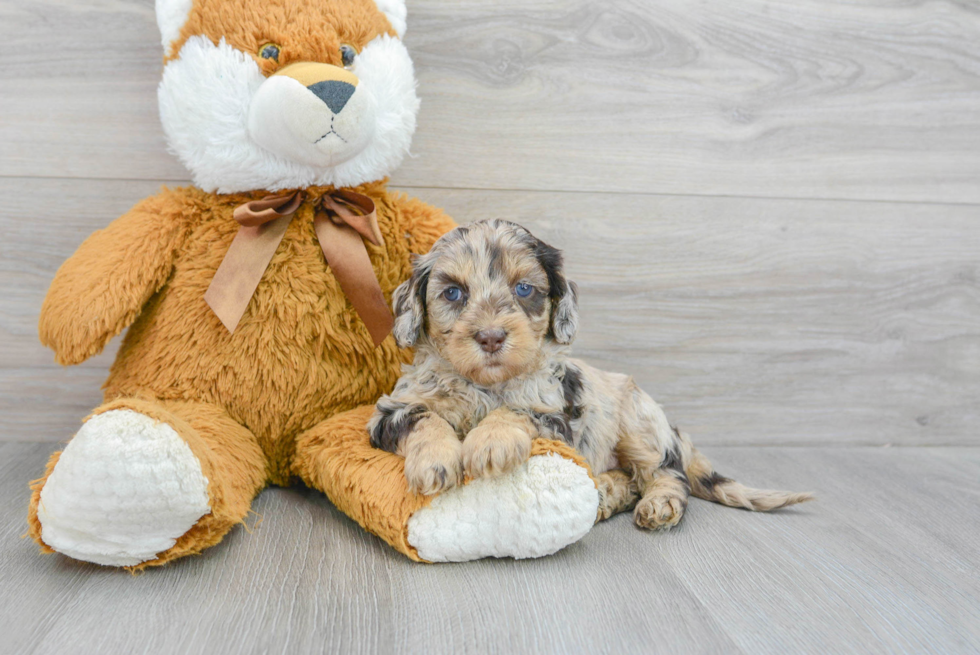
point(496, 402)
point(392, 422)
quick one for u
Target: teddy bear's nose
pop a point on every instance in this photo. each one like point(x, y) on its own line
point(333, 93)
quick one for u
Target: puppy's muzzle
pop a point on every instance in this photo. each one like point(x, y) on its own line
point(491, 340)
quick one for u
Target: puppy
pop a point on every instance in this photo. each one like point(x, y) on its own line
point(491, 316)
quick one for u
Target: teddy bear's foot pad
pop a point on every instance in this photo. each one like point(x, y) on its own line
point(124, 489)
point(542, 506)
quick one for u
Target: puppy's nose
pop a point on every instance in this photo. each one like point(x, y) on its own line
point(491, 340)
point(333, 93)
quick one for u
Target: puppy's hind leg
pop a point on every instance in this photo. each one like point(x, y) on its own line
point(617, 493)
point(664, 501)
point(649, 447)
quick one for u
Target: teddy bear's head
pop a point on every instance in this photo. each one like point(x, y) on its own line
point(284, 94)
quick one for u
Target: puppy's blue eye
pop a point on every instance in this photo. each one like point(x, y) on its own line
point(452, 294)
point(523, 289)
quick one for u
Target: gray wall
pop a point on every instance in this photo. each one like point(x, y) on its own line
point(772, 208)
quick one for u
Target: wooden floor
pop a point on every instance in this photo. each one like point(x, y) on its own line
point(772, 208)
point(885, 562)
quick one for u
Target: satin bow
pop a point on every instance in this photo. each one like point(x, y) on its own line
point(342, 219)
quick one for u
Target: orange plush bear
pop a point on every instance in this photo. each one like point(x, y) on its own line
point(257, 306)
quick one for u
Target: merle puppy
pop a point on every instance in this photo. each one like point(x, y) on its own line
point(491, 315)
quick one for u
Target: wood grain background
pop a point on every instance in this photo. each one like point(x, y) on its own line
point(772, 208)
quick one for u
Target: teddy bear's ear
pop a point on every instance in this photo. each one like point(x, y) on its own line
point(171, 16)
point(396, 12)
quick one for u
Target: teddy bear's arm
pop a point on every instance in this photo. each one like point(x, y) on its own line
point(423, 223)
point(102, 288)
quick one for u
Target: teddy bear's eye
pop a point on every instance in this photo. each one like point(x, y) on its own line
point(347, 55)
point(269, 51)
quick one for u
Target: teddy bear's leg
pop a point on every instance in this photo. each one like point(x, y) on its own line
point(144, 482)
point(543, 505)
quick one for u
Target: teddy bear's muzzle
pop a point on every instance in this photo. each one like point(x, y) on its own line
point(312, 113)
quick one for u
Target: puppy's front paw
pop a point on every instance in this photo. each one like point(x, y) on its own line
point(493, 450)
point(432, 466)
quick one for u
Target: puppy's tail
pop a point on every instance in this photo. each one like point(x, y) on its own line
point(708, 484)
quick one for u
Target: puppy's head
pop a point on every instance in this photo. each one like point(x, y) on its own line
point(487, 298)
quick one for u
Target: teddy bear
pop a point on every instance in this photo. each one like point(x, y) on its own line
point(257, 306)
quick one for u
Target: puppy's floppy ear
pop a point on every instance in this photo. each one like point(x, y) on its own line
point(564, 315)
point(409, 303)
point(563, 293)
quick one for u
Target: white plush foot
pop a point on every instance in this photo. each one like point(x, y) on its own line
point(537, 509)
point(125, 488)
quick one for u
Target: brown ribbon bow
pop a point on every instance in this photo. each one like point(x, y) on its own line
point(339, 229)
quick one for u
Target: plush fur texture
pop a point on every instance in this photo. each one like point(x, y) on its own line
point(171, 16)
point(299, 355)
point(229, 460)
point(342, 458)
point(218, 416)
point(470, 405)
point(227, 114)
point(119, 461)
point(395, 11)
point(547, 502)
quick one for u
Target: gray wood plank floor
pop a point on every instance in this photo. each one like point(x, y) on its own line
point(880, 564)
